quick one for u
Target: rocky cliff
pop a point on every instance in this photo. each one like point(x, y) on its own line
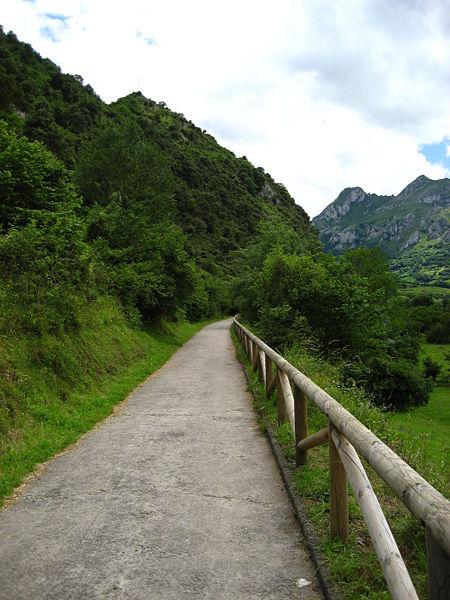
point(412, 228)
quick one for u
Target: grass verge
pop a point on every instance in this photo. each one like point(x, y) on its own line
point(354, 566)
point(54, 389)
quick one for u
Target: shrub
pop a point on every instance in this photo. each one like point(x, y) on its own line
point(432, 368)
point(394, 384)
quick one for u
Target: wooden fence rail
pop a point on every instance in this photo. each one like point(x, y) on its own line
point(346, 437)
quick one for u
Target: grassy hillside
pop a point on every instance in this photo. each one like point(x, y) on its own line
point(218, 198)
point(429, 424)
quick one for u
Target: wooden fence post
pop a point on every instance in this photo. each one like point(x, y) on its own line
point(281, 403)
point(269, 376)
point(262, 367)
point(259, 366)
point(255, 362)
point(438, 569)
point(338, 493)
point(301, 424)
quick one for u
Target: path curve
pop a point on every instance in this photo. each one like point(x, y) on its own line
point(177, 496)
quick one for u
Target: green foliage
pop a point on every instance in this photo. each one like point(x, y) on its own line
point(347, 307)
point(431, 317)
point(145, 263)
point(374, 266)
point(432, 368)
point(32, 180)
point(45, 269)
point(272, 236)
point(117, 159)
point(394, 384)
point(334, 301)
point(42, 102)
point(44, 276)
point(219, 199)
point(438, 354)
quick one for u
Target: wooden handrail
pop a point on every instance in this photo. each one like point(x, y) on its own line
point(316, 439)
point(421, 498)
point(346, 435)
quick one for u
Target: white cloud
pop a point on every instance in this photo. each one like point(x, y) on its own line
point(322, 94)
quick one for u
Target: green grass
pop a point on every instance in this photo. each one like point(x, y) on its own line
point(56, 389)
point(354, 565)
point(431, 425)
point(438, 352)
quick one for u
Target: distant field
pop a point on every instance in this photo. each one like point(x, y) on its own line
point(429, 426)
point(429, 290)
point(440, 353)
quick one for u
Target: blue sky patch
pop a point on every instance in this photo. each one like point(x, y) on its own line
point(437, 154)
point(146, 38)
point(49, 33)
point(56, 17)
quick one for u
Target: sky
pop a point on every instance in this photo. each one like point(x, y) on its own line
point(324, 94)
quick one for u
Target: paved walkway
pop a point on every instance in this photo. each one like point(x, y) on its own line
point(177, 496)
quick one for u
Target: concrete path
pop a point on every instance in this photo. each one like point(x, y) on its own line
point(177, 496)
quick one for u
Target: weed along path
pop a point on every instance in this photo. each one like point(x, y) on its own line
point(175, 496)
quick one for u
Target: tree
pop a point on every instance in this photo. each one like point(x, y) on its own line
point(32, 179)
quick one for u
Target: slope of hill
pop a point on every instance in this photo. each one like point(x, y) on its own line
point(412, 228)
point(219, 198)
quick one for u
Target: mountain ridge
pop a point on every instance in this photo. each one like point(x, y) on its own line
point(412, 228)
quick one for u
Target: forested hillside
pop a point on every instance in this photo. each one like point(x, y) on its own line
point(128, 215)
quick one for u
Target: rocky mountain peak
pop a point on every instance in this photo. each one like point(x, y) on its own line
point(343, 203)
point(419, 182)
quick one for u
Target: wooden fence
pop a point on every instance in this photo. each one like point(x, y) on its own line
point(346, 436)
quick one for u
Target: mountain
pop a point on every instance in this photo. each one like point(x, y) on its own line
point(411, 228)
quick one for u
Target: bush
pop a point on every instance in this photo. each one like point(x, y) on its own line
point(394, 384)
point(432, 368)
point(45, 275)
point(347, 308)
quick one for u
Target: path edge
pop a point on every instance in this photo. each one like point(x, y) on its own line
point(40, 468)
point(306, 527)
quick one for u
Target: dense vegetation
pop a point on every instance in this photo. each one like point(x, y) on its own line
point(346, 308)
point(131, 206)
